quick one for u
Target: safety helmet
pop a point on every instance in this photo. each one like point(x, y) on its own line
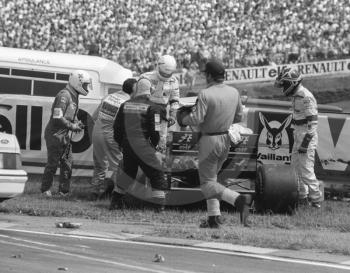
point(166, 67)
point(81, 81)
point(288, 79)
point(143, 87)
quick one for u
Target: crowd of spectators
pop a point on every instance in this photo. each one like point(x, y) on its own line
point(134, 33)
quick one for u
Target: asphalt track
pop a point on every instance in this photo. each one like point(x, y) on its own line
point(36, 249)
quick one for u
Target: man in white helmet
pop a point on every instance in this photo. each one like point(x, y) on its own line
point(106, 152)
point(59, 130)
point(305, 114)
point(165, 91)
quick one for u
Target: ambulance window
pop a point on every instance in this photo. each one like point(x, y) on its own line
point(5, 71)
point(47, 89)
point(62, 77)
point(34, 74)
point(15, 86)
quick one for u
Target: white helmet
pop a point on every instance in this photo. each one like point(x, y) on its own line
point(166, 66)
point(81, 81)
point(288, 79)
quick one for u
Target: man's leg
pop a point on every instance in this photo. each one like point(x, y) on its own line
point(296, 162)
point(308, 177)
point(158, 182)
point(210, 162)
point(229, 196)
point(54, 153)
point(125, 178)
point(115, 158)
point(207, 169)
point(303, 189)
point(66, 167)
point(100, 161)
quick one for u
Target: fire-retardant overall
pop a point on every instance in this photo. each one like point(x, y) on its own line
point(217, 107)
point(57, 137)
point(165, 92)
point(305, 134)
point(305, 143)
point(59, 130)
point(106, 152)
point(135, 130)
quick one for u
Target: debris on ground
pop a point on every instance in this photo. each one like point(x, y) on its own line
point(215, 236)
point(159, 258)
point(68, 225)
point(17, 256)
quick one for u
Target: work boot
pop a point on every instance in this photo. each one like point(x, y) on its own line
point(316, 205)
point(108, 189)
point(47, 193)
point(242, 205)
point(158, 205)
point(303, 202)
point(63, 194)
point(117, 201)
point(212, 222)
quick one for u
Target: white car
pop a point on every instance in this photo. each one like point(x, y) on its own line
point(12, 176)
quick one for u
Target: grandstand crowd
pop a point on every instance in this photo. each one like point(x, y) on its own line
point(135, 33)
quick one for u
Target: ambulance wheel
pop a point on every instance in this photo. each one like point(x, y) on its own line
point(276, 189)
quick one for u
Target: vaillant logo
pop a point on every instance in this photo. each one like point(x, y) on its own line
point(273, 140)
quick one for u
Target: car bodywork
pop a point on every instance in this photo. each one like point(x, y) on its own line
point(12, 176)
point(270, 120)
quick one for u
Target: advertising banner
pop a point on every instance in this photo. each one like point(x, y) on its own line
point(269, 73)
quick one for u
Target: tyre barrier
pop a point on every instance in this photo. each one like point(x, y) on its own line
point(276, 189)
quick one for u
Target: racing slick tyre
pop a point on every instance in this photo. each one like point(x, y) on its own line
point(276, 189)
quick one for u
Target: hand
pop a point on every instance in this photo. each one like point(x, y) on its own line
point(160, 156)
point(76, 127)
point(305, 144)
point(81, 124)
point(181, 113)
point(171, 121)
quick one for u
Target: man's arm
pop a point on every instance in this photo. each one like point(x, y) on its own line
point(311, 113)
point(174, 97)
point(239, 111)
point(119, 126)
point(96, 112)
point(310, 106)
point(197, 115)
point(60, 106)
point(156, 114)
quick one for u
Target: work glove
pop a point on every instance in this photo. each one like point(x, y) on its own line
point(171, 121)
point(182, 112)
point(81, 124)
point(305, 144)
point(77, 127)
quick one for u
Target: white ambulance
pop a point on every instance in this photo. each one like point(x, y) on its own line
point(29, 81)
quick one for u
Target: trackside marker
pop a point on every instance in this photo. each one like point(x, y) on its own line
point(223, 246)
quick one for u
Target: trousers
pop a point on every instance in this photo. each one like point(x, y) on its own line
point(55, 158)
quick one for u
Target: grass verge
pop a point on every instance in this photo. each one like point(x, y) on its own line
point(322, 230)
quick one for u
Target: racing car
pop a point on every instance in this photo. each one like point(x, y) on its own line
point(260, 165)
